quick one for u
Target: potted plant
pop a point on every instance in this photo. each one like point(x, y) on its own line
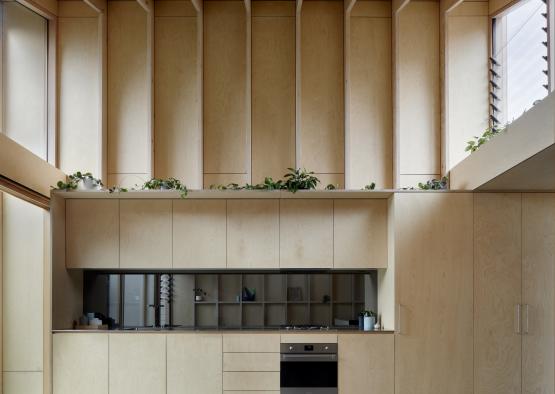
point(86, 180)
point(369, 320)
point(165, 184)
point(199, 294)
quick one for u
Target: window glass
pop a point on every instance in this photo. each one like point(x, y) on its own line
point(24, 77)
point(520, 48)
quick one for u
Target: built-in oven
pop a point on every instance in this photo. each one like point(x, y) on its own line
point(308, 368)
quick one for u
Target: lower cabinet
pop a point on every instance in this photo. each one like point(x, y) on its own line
point(80, 363)
point(194, 363)
point(137, 363)
point(207, 363)
point(251, 363)
point(366, 363)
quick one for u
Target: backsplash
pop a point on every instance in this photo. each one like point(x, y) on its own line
point(229, 300)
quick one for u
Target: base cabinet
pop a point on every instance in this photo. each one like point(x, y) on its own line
point(137, 364)
point(366, 363)
point(194, 363)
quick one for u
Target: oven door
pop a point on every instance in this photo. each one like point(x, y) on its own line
point(308, 374)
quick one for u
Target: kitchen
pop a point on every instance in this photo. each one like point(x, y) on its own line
point(257, 196)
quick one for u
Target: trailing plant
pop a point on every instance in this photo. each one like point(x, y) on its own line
point(117, 189)
point(489, 133)
point(331, 186)
point(67, 186)
point(370, 186)
point(166, 184)
point(435, 184)
point(298, 179)
point(74, 179)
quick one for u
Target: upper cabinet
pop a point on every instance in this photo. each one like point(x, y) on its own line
point(306, 234)
point(145, 234)
point(360, 234)
point(237, 233)
point(199, 231)
point(253, 234)
point(92, 228)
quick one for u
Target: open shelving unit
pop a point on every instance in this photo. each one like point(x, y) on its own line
point(280, 299)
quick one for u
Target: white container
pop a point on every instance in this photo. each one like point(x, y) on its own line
point(369, 322)
point(88, 184)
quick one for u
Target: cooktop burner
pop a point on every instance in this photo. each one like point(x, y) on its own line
point(306, 327)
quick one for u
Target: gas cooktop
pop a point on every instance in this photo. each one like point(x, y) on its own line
point(306, 327)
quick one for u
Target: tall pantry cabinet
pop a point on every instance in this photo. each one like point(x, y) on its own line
point(514, 293)
point(433, 266)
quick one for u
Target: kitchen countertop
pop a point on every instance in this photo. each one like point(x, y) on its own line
point(227, 331)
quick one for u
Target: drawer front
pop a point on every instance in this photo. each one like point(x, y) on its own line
point(251, 343)
point(251, 381)
point(309, 338)
point(253, 362)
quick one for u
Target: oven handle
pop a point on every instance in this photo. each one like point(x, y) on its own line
point(308, 357)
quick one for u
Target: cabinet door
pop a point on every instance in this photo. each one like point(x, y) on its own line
point(253, 234)
point(145, 234)
point(360, 234)
point(92, 233)
point(538, 293)
point(199, 231)
point(306, 233)
point(137, 364)
point(194, 363)
point(433, 263)
point(366, 363)
point(497, 292)
point(80, 363)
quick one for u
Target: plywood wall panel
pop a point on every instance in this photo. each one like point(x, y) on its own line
point(322, 139)
point(128, 86)
point(79, 83)
point(467, 84)
point(273, 91)
point(226, 141)
point(178, 133)
point(370, 143)
point(418, 88)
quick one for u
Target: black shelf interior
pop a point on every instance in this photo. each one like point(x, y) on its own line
point(282, 298)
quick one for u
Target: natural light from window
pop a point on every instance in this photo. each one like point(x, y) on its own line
point(520, 47)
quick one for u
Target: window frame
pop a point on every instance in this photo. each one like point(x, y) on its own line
point(496, 41)
point(51, 77)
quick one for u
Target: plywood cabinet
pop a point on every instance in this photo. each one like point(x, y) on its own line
point(92, 233)
point(359, 234)
point(194, 363)
point(80, 363)
point(366, 363)
point(538, 291)
point(137, 363)
point(497, 293)
point(434, 290)
point(199, 234)
point(145, 234)
point(253, 234)
point(306, 234)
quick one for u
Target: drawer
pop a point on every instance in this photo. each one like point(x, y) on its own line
point(261, 362)
point(251, 343)
point(308, 338)
point(250, 381)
